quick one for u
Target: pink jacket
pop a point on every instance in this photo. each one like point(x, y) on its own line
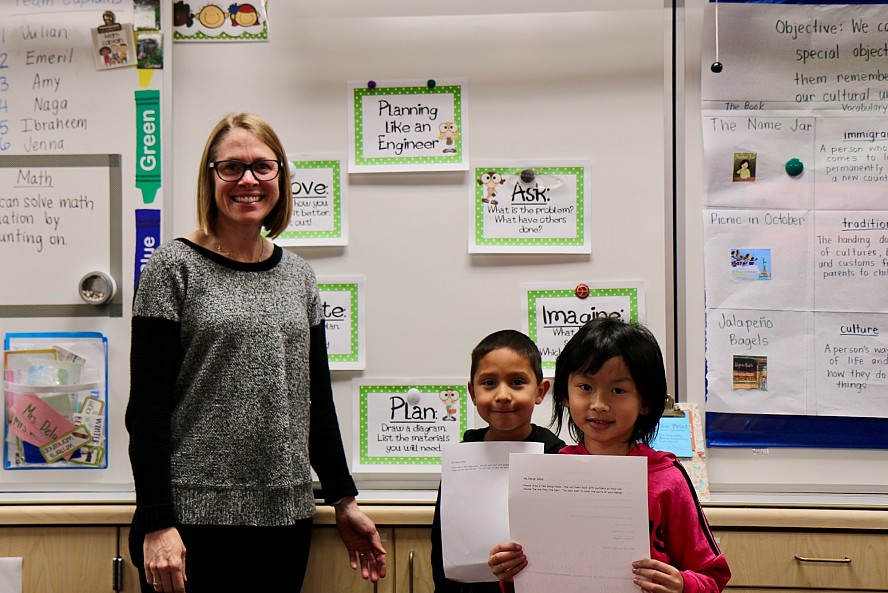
point(680, 535)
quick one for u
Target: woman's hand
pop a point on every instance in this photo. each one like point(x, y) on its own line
point(664, 578)
point(165, 560)
point(358, 533)
point(506, 560)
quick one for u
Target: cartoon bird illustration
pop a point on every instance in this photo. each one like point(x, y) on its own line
point(450, 398)
point(448, 132)
point(489, 181)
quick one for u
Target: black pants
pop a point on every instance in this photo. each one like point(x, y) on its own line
point(237, 558)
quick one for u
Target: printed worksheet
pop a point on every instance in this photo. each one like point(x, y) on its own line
point(582, 521)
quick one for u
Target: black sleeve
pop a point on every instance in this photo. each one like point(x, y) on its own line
point(154, 366)
point(325, 448)
point(442, 584)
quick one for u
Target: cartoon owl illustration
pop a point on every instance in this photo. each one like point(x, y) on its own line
point(489, 181)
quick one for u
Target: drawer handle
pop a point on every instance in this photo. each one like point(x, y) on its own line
point(844, 560)
point(410, 569)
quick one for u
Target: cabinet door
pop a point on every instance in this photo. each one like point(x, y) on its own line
point(806, 560)
point(413, 564)
point(129, 575)
point(69, 559)
point(329, 571)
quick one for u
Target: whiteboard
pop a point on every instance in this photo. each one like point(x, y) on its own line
point(738, 473)
point(68, 152)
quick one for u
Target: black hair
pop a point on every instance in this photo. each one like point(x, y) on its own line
point(594, 344)
point(515, 341)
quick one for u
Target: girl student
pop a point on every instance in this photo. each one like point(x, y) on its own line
point(611, 379)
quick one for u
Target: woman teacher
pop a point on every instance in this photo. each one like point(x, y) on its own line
point(231, 402)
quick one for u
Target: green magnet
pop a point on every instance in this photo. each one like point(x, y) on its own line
point(794, 167)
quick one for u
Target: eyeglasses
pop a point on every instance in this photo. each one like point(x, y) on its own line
point(263, 170)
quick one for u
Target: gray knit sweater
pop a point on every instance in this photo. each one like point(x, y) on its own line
point(222, 356)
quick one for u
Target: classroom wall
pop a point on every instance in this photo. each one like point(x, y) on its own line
point(563, 81)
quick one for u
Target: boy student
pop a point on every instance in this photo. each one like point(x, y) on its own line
point(506, 383)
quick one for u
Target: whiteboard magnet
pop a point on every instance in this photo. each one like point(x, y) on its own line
point(413, 396)
point(97, 288)
point(794, 167)
point(527, 176)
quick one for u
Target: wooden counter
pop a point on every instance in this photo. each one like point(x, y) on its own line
point(870, 518)
point(770, 549)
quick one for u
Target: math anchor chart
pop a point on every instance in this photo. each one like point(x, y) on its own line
point(795, 219)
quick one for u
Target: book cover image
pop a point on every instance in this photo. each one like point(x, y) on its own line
point(750, 372)
point(744, 166)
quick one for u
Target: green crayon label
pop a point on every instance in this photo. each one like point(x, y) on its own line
point(148, 171)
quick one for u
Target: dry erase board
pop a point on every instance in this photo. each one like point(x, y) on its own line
point(763, 467)
point(567, 81)
point(80, 154)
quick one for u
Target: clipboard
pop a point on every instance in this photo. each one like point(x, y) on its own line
point(681, 432)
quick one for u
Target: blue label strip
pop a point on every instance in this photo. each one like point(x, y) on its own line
point(147, 238)
point(771, 430)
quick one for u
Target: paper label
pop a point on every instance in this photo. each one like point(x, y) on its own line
point(65, 444)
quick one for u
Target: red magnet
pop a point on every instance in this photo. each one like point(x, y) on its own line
point(582, 291)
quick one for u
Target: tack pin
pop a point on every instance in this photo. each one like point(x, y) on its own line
point(794, 167)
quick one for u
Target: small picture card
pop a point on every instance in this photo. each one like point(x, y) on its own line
point(408, 126)
point(750, 264)
point(89, 455)
point(149, 45)
point(744, 166)
point(318, 190)
point(554, 312)
point(92, 405)
point(95, 424)
point(530, 208)
point(342, 298)
point(113, 44)
point(146, 15)
point(66, 444)
point(401, 425)
point(750, 372)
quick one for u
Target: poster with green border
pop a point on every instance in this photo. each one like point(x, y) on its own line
point(342, 299)
point(408, 126)
point(530, 207)
point(220, 21)
point(320, 208)
point(401, 425)
point(554, 312)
